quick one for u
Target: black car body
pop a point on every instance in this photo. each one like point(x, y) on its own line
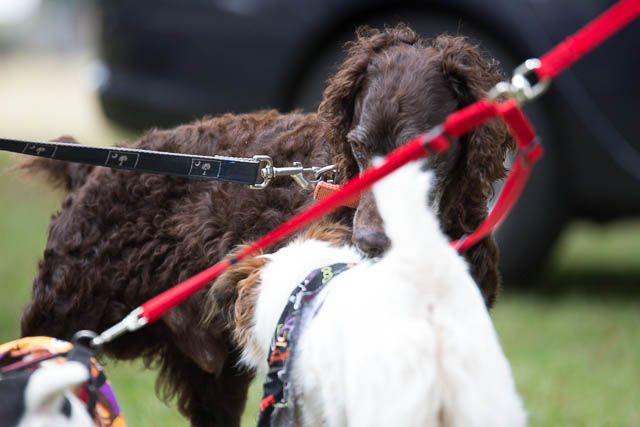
point(168, 61)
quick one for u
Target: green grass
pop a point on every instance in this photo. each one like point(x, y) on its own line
point(23, 232)
point(575, 359)
point(572, 336)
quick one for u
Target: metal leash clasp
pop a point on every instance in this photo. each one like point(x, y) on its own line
point(132, 322)
point(520, 87)
point(297, 172)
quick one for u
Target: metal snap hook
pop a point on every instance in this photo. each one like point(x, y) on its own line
point(83, 337)
point(520, 87)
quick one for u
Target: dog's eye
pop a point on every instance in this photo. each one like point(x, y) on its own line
point(355, 138)
point(359, 155)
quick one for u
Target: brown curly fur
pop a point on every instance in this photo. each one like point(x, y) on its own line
point(121, 237)
point(380, 72)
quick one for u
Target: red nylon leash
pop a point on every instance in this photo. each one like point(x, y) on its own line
point(455, 125)
point(586, 39)
point(529, 152)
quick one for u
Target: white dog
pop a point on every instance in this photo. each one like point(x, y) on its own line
point(402, 341)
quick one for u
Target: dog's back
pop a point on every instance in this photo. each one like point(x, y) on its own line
point(407, 340)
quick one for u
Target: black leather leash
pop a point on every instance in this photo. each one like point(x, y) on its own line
point(220, 168)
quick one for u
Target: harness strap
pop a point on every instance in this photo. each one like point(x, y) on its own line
point(324, 189)
point(218, 168)
point(276, 407)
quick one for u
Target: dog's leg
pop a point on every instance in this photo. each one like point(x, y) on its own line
point(208, 400)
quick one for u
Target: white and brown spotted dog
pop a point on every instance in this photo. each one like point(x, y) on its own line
point(405, 340)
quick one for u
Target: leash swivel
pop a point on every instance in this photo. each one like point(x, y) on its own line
point(520, 88)
point(296, 172)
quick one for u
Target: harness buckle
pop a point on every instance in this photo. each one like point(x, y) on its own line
point(296, 172)
point(520, 87)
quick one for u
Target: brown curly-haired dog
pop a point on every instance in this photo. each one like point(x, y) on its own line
point(122, 237)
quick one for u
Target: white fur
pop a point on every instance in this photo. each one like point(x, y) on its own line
point(401, 342)
point(46, 390)
point(287, 267)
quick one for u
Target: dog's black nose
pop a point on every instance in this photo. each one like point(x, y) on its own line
point(372, 244)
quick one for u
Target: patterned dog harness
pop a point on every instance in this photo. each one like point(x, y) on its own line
point(276, 408)
point(26, 354)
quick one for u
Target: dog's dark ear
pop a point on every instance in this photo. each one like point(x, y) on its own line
point(469, 71)
point(232, 297)
point(337, 106)
point(470, 75)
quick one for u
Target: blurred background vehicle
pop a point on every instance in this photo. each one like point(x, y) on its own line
point(164, 62)
point(572, 336)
